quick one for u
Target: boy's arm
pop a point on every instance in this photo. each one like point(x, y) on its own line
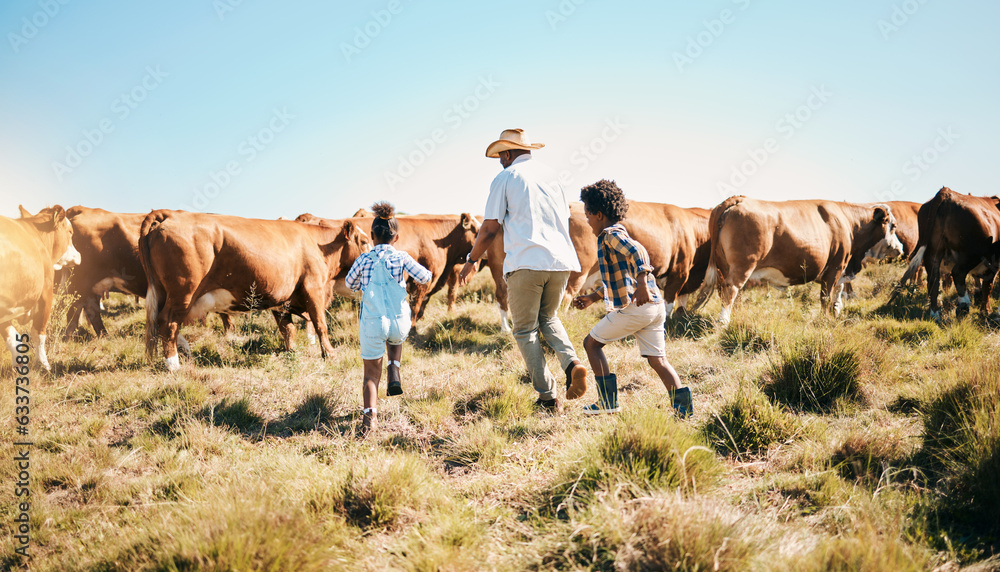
point(585, 300)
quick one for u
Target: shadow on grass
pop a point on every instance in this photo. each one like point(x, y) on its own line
point(688, 325)
point(314, 413)
point(906, 303)
point(462, 333)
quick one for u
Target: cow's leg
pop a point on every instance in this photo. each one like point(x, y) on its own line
point(287, 328)
point(317, 314)
point(227, 324)
point(670, 289)
point(420, 299)
point(310, 333)
point(452, 290)
point(848, 290)
point(985, 290)
point(73, 319)
point(680, 305)
point(39, 323)
point(727, 293)
point(12, 342)
point(168, 324)
point(932, 265)
point(731, 280)
point(959, 275)
point(499, 289)
point(92, 309)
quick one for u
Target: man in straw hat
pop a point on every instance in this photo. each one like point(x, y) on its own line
point(528, 203)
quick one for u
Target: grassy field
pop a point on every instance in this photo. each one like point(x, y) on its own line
point(871, 442)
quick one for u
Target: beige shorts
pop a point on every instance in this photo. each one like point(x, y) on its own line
point(645, 321)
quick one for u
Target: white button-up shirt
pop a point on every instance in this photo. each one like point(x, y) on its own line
point(527, 199)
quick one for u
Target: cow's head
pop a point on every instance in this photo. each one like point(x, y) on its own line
point(351, 243)
point(470, 224)
point(52, 222)
point(878, 237)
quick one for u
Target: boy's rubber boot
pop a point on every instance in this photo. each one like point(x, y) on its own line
point(607, 396)
point(683, 404)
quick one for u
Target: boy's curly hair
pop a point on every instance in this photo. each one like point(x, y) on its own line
point(605, 197)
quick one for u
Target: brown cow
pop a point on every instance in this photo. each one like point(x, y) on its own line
point(199, 263)
point(963, 232)
point(437, 242)
point(32, 248)
point(791, 242)
point(108, 243)
point(676, 238)
point(906, 231)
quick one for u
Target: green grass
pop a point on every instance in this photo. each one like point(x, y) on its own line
point(748, 423)
point(814, 375)
point(866, 442)
point(961, 446)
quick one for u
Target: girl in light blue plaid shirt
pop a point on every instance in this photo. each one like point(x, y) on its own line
point(384, 269)
point(633, 299)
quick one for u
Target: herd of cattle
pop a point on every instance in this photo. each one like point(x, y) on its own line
point(187, 265)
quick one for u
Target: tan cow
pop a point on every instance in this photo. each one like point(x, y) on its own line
point(32, 248)
point(791, 242)
point(676, 239)
point(905, 213)
point(437, 242)
point(108, 243)
point(961, 232)
point(199, 263)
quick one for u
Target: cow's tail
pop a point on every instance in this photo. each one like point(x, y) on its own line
point(710, 284)
point(154, 292)
point(707, 286)
point(916, 260)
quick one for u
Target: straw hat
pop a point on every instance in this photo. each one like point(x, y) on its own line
point(511, 139)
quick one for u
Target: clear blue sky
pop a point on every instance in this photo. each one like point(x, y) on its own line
point(267, 109)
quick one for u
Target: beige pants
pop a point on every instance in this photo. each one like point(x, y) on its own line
point(533, 298)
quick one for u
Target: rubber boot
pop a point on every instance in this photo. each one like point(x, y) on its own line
point(607, 396)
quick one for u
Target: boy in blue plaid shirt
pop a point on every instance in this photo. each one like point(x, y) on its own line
point(631, 296)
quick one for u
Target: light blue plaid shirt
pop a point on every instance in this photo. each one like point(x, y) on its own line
point(396, 261)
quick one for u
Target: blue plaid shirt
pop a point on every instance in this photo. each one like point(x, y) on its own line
point(396, 261)
point(621, 258)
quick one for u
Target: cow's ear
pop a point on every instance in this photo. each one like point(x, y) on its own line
point(881, 212)
point(349, 230)
point(24, 211)
point(466, 221)
point(58, 214)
